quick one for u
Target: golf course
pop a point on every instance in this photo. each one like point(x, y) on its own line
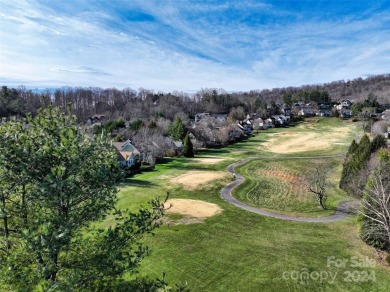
point(211, 244)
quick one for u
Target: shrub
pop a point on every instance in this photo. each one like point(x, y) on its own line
point(136, 125)
point(188, 148)
point(170, 153)
point(152, 125)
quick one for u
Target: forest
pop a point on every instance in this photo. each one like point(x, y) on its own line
point(146, 104)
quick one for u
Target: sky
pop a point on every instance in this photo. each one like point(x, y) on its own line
point(187, 45)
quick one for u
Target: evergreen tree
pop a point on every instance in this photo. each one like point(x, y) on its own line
point(354, 174)
point(378, 142)
point(54, 182)
point(177, 129)
point(188, 148)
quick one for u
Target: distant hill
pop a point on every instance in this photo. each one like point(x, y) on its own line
point(357, 89)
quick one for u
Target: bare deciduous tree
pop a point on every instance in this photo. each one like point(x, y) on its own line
point(317, 182)
point(380, 127)
point(376, 204)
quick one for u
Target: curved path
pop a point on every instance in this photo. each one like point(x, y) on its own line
point(341, 212)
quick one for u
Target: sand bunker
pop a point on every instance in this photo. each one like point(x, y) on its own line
point(191, 208)
point(193, 179)
point(287, 142)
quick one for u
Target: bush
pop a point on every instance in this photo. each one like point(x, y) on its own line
point(188, 148)
point(388, 258)
point(136, 125)
point(170, 153)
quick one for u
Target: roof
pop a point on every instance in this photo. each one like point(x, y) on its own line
point(178, 144)
point(117, 145)
point(125, 155)
point(98, 116)
point(125, 150)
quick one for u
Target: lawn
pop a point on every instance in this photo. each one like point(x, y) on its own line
point(236, 250)
point(281, 185)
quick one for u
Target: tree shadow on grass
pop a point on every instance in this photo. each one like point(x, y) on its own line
point(137, 183)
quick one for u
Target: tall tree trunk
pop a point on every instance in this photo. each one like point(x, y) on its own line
point(321, 201)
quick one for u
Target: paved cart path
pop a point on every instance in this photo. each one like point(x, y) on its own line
point(341, 212)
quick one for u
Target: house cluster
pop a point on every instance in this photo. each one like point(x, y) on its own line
point(218, 131)
point(302, 109)
point(213, 130)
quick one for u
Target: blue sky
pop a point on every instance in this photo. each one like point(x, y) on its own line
point(186, 45)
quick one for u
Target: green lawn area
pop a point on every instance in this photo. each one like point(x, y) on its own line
point(281, 185)
point(240, 251)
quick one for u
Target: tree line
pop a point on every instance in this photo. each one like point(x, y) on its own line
point(366, 175)
point(143, 103)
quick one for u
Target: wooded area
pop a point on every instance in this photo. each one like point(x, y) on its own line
point(146, 104)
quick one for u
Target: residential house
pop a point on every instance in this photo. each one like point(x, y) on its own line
point(387, 134)
point(297, 107)
point(258, 124)
point(236, 133)
point(307, 110)
point(285, 110)
point(268, 123)
point(324, 111)
point(177, 146)
point(95, 119)
point(344, 104)
point(285, 119)
point(128, 155)
point(220, 117)
point(386, 115)
point(346, 113)
point(278, 121)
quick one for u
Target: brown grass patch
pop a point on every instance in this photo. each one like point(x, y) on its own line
point(209, 160)
point(286, 142)
point(194, 211)
point(192, 179)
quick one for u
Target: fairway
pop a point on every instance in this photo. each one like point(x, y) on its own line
point(311, 137)
point(282, 185)
point(235, 250)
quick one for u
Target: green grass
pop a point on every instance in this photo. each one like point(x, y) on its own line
point(280, 185)
point(240, 251)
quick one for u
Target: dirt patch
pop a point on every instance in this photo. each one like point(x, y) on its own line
point(286, 142)
point(209, 160)
point(193, 179)
point(193, 211)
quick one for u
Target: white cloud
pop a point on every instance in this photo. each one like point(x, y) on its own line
point(43, 47)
